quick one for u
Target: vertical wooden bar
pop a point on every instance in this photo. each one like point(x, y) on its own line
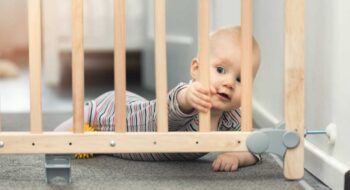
point(161, 70)
point(0, 114)
point(294, 85)
point(119, 66)
point(247, 64)
point(34, 24)
point(78, 65)
point(203, 48)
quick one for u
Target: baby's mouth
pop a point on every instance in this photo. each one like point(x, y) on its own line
point(224, 96)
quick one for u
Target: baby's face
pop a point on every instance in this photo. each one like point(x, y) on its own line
point(225, 74)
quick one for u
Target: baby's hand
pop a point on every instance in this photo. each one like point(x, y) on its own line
point(198, 97)
point(227, 162)
point(231, 161)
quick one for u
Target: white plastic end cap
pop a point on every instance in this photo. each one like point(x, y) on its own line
point(331, 132)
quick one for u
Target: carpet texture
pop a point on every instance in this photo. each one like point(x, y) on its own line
point(107, 172)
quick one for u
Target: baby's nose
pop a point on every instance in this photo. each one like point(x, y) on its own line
point(229, 84)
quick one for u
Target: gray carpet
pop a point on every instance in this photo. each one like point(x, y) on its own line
point(107, 172)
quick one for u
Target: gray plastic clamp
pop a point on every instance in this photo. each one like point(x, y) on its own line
point(58, 165)
point(275, 141)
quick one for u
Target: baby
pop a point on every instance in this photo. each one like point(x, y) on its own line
point(223, 98)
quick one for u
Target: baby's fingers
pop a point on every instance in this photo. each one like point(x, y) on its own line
point(202, 97)
point(201, 89)
point(234, 168)
point(216, 165)
point(228, 167)
point(201, 105)
point(199, 102)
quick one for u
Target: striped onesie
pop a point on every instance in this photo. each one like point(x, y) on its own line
point(141, 117)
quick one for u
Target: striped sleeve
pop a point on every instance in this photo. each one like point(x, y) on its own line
point(178, 119)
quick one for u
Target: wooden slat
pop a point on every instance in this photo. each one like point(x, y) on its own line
point(247, 64)
point(99, 142)
point(119, 65)
point(0, 113)
point(161, 70)
point(34, 24)
point(294, 85)
point(203, 48)
point(78, 65)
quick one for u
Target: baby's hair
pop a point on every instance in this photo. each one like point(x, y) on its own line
point(234, 33)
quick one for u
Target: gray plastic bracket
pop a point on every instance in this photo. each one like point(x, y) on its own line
point(276, 141)
point(57, 166)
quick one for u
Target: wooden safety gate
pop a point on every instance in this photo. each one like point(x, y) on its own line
point(120, 141)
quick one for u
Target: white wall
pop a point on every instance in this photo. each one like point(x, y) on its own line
point(181, 32)
point(225, 12)
point(268, 31)
point(341, 80)
point(326, 75)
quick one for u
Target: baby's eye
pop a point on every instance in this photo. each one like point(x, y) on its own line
point(238, 79)
point(220, 70)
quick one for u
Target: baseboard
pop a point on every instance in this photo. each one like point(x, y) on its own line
point(263, 118)
point(326, 168)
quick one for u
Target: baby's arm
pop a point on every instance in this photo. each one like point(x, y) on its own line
point(231, 161)
point(195, 96)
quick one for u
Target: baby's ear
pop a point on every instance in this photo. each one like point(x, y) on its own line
point(194, 69)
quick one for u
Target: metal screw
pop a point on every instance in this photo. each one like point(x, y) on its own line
point(2, 144)
point(112, 143)
point(314, 132)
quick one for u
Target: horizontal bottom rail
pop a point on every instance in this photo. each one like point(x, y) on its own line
point(112, 142)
